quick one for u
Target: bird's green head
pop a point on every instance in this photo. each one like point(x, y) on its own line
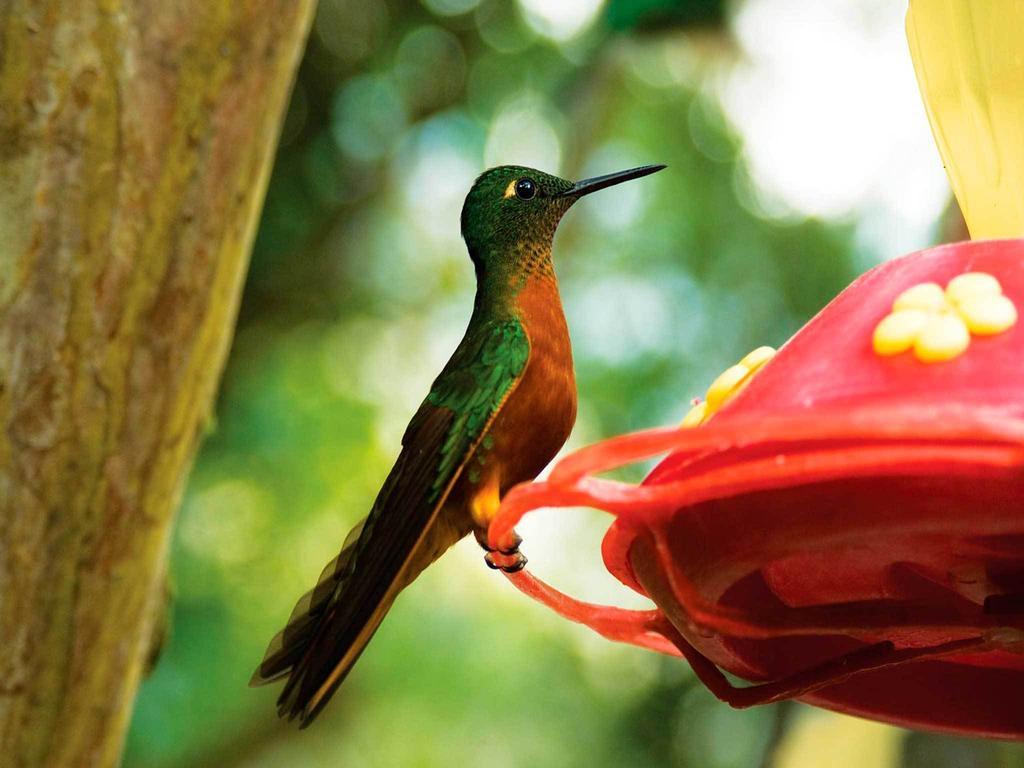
point(511, 213)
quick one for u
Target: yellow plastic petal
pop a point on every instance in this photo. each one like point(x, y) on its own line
point(927, 296)
point(757, 358)
point(898, 332)
point(943, 337)
point(972, 285)
point(967, 56)
point(988, 315)
point(695, 416)
point(723, 386)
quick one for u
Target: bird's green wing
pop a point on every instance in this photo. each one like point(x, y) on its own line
point(333, 622)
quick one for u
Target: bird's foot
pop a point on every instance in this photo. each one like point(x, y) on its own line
point(511, 563)
point(508, 558)
point(513, 546)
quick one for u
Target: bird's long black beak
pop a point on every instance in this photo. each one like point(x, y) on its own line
point(587, 186)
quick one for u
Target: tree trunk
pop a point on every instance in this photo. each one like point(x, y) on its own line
point(136, 138)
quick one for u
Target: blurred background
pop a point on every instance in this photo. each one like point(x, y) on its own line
point(799, 156)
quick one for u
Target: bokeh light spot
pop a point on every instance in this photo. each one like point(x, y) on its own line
point(502, 27)
point(221, 522)
point(560, 20)
point(521, 134)
point(430, 67)
point(434, 188)
point(368, 117)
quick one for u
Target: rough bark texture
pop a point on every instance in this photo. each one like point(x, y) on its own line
point(136, 138)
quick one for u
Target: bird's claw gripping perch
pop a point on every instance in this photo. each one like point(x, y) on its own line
point(508, 559)
point(509, 563)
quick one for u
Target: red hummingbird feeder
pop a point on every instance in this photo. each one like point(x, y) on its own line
point(845, 525)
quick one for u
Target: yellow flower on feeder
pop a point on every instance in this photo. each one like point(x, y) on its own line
point(937, 324)
point(728, 384)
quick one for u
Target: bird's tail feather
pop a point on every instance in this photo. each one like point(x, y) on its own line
point(308, 650)
point(289, 645)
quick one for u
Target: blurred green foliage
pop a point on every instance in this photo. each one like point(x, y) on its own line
point(358, 291)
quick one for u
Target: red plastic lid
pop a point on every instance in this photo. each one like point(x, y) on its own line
point(849, 530)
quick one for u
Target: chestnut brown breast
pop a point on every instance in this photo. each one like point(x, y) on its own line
point(539, 415)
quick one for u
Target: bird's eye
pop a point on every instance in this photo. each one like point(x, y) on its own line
point(525, 189)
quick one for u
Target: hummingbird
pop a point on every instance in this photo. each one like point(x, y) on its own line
point(499, 411)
